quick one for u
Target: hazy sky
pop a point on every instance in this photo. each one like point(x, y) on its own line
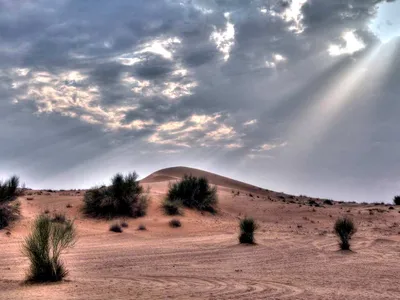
point(295, 96)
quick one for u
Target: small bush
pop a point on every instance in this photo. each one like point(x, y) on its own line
point(68, 205)
point(193, 192)
point(344, 229)
point(9, 189)
point(115, 227)
point(171, 208)
point(396, 200)
point(312, 202)
point(328, 202)
point(247, 228)
point(125, 197)
point(59, 218)
point(44, 246)
point(124, 224)
point(175, 223)
point(142, 227)
point(9, 210)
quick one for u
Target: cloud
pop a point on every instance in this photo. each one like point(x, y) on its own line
point(231, 78)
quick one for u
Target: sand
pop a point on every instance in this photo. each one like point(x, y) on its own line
point(296, 256)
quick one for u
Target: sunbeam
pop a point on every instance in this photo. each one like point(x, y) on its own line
point(311, 125)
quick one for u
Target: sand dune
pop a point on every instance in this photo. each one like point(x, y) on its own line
point(296, 257)
point(178, 172)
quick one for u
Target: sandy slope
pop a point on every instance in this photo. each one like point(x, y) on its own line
point(296, 256)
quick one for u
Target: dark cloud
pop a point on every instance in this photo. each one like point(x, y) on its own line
point(89, 81)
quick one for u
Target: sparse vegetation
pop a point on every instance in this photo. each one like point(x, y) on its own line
point(116, 227)
point(396, 200)
point(247, 228)
point(328, 202)
point(124, 224)
point(9, 209)
point(171, 208)
point(174, 223)
point(125, 197)
point(59, 218)
point(44, 246)
point(193, 192)
point(142, 227)
point(344, 229)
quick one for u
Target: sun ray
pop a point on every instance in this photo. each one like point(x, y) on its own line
point(342, 90)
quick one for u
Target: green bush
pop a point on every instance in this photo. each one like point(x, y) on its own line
point(193, 192)
point(44, 246)
point(9, 209)
point(247, 228)
point(9, 189)
point(125, 197)
point(396, 200)
point(8, 212)
point(171, 208)
point(344, 229)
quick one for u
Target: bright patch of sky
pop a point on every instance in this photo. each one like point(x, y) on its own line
point(386, 25)
point(225, 39)
point(352, 45)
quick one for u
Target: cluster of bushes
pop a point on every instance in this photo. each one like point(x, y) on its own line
point(191, 192)
point(124, 197)
point(9, 208)
point(50, 236)
point(396, 200)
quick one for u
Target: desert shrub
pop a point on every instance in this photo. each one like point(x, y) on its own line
point(141, 227)
point(328, 202)
point(8, 212)
point(9, 209)
point(247, 228)
point(116, 227)
point(44, 246)
point(59, 218)
point(171, 208)
point(175, 223)
point(193, 192)
point(396, 200)
point(125, 197)
point(124, 224)
point(344, 229)
point(9, 189)
point(312, 202)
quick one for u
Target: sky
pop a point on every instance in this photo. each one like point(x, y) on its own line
point(296, 96)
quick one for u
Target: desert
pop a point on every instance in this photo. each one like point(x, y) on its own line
point(296, 255)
